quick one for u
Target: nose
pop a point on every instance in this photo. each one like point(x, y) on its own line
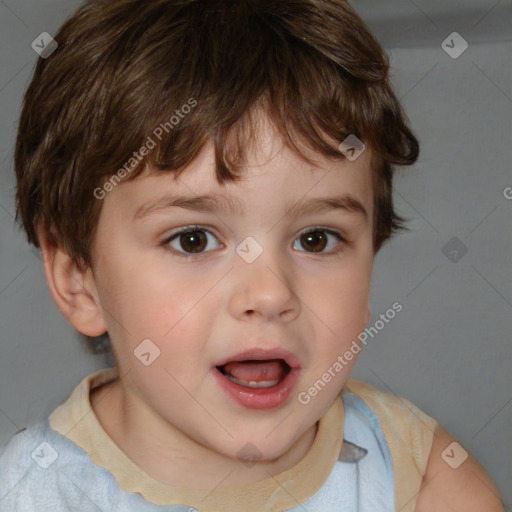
point(264, 288)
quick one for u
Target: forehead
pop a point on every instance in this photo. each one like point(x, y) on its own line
point(272, 174)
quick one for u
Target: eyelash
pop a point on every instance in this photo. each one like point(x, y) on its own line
point(164, 243)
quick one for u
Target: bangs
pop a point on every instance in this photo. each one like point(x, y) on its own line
point(230, 64)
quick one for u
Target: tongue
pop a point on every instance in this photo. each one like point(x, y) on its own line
point(256, 371)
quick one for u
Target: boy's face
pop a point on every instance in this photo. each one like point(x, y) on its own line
point(211, 307)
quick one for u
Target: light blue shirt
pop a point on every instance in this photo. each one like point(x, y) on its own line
point(60, 477)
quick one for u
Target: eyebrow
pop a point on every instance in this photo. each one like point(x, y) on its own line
point(234, 207)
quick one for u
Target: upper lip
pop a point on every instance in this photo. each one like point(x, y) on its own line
point(260, 354)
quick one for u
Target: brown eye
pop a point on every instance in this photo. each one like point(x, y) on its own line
point(190, 242)
point(316, 240)
point(193, 241)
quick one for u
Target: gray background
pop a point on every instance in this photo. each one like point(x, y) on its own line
point(449, 350)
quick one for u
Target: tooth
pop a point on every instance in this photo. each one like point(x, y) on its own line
point(253, 384)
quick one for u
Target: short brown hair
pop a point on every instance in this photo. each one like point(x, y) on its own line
point(123, 67)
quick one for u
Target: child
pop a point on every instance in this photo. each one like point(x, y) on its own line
point(209, 182)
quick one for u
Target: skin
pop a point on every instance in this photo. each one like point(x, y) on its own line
point(168, 416)
point(467, 488)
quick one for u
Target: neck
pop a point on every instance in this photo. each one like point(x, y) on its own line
point(170, 456)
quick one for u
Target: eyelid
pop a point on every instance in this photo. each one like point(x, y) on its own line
point(333, 231)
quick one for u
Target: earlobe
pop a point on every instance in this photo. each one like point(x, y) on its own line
point(73, 290)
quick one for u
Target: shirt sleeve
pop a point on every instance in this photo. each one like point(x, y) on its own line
point(409, 433)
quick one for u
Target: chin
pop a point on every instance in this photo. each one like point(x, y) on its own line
point(259, 448)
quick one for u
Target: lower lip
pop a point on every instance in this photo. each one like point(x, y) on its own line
point(259, 398)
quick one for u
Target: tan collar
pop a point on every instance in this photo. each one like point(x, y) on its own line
point(75, 419)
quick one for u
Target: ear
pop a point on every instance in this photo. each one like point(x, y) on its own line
point(73, 290)
point(368, 316)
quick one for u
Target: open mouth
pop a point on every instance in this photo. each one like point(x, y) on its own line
point(256, 374)
point(259, 378)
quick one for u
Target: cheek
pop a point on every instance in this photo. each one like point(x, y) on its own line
point(344, 299)
point(173, 311)
point(148, 298)
point(340, 308)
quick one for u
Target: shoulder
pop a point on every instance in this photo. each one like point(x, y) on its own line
point(455, 481)
point(14, 462)
point(24, 452)
point(404, 425)
point(427, 458)
point(408, 433)
point(387, 402)
point(38, 465)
